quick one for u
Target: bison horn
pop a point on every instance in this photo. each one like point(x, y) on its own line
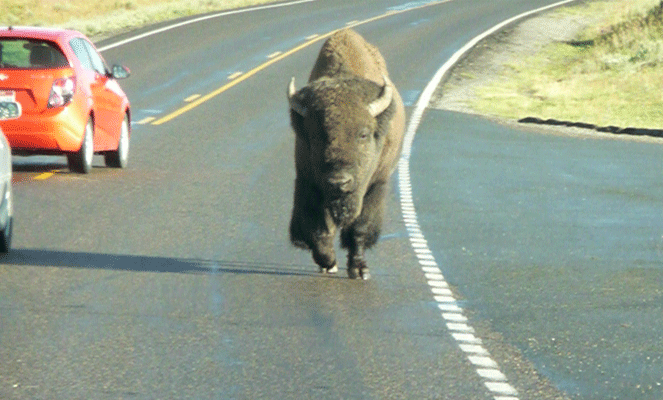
point(294, 104)
point(378, 106)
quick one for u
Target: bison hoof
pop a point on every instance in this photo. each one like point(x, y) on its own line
point(359, 273)
point(365, 275)
point(331, 270)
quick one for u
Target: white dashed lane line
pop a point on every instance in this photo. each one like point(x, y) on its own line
point(191, 98)
point(234, 75)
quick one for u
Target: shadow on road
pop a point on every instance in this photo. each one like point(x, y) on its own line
point(63, 259)
point(37, 168)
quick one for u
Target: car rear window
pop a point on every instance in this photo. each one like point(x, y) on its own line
point(30, 54)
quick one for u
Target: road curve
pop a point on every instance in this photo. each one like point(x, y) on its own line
point(175, 279)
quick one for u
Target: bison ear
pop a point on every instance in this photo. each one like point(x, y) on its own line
point(295, 105)
point(379, 105)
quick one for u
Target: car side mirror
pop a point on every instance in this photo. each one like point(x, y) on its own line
point(120, 72)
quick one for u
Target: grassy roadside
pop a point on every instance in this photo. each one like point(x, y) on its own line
point(611, 74)
point(104, 17)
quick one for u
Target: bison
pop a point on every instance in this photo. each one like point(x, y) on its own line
point(349, 122)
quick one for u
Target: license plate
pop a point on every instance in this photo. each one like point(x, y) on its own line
point(9, 110)
point(7, 96)
point(9, 107)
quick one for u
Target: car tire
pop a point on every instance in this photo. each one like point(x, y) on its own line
point(120, 157)
point(81, 161)
point(6, 237)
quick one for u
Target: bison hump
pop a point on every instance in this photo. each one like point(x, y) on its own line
point(347, 52)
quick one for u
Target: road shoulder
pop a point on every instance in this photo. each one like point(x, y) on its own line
point(489, 61)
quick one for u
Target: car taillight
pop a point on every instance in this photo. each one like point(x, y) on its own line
point(62, 92)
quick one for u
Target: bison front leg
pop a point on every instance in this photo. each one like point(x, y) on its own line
point(364, 232)
point(357, 267)
point(323, 252)
point(310, 227)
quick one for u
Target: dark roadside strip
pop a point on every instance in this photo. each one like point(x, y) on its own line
point(603, 129)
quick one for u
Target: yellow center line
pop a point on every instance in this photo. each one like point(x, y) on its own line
point(278, 58)
point(44, 176)
point(239, 79)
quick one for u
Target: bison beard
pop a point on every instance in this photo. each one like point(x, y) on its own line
point(343, 210)
point(349, 118)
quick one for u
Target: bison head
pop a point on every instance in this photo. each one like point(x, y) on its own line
point(341, 126)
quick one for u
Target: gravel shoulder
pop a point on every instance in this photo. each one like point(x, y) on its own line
point(488, 61)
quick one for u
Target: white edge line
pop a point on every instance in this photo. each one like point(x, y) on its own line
point(199, 19)
point(495, 381)
point(427, 94)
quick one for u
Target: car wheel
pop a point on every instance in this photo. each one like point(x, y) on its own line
point(6, 236)
point(119, 157)
point(81, 161)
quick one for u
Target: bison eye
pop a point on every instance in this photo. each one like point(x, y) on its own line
point(364, 134)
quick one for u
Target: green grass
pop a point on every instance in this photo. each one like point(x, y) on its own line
point(611, 75)
point(106, 17)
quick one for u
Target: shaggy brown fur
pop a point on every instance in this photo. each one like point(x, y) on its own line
point(346, 52)
point(345, 153)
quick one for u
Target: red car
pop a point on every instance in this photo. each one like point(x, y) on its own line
point(70, 101)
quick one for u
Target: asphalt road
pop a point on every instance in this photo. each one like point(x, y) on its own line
point(555, 242)
point(174, 278)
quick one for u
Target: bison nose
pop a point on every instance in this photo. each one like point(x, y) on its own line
point(341, 182)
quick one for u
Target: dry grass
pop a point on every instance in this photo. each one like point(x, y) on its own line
point(103, 17)
point(611, 75)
